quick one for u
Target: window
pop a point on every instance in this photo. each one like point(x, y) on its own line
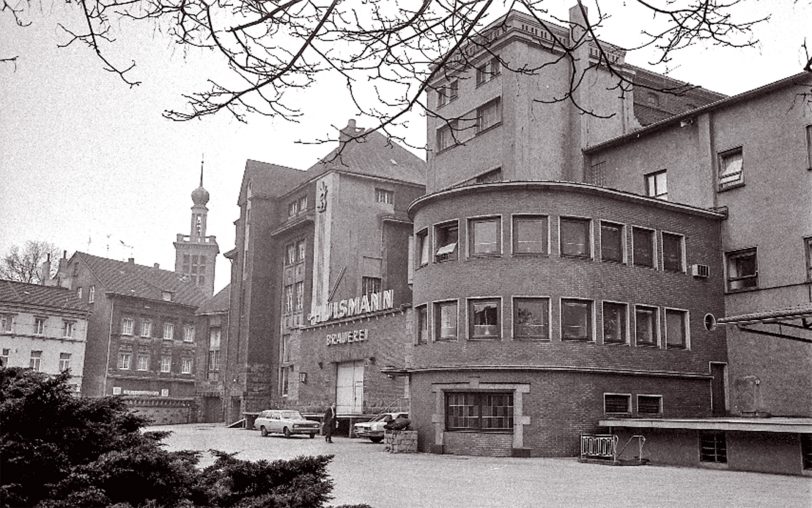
point(423, 247)
point(617, 403)
point(494, 175)
point(127, 325)
point(79, 293)
point(384, 196)
point(442, 98)
point(143, 362)
point(483, 316)
point(302, 203)
point(453, 90)
point(530, 234)
point(186, 366)
point(806, 449)
point(676, 329)
point(614, 323)
point(485, 236)
point(293, 208)
point(673, 260)
point(166, 296)
point(146, 328)
point(445, 316)
point(298, 303)
point(612, 242)
point(422, 324)
point(643, 247)
point(488, 70)
point(214, 349)
point(742, 270)
point(67, 329)
point(369, 285)
point(64, 362)
point(166, 363)
point(39, 326)
point(730, 168)
point(4, 354)
point(284, 381)
point(482, 411)
point(649, 404)
point(488, 115)
point(657, 185)
point(286, 348)
point(446, 236)
point(6, 321)
point(35, 362)
point(91, 294)
point(713, 446)
point(124, 360)
point(188, 333)
point(645, 326)
point(574, 241)
point(301, 248)
point(446, 136)
point(289, 297)
point(531, 318)
point(169, 331)
point(290, 254)
point(808, 248)
point(576, 319)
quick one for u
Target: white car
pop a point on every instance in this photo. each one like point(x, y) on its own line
point(285, 421)
point(373, 429)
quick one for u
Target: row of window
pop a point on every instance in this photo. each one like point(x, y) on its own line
point(91, 293)
point(68, 326)
point(620, 404)
point(531, 236)
point(295, 252)
point(125, 362)
point(35, 360)
point(485, 72)
point(531, 321)
point(742, 267)
point(128, 328)
point(297, 206)
point(479, 120)
point(194, 265)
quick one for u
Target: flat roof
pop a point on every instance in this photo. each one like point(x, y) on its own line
point(737, 423)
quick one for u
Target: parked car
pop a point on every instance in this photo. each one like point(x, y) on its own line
point(285, 421)
point(373, 429)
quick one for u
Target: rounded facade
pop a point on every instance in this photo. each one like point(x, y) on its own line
point(542, 287)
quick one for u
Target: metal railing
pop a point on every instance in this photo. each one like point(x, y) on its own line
point(605, 447)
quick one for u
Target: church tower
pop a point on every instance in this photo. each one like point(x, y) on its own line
point(196, 253)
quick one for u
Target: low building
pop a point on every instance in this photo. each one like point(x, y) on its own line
point(43, 328)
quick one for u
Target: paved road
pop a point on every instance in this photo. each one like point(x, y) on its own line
point(364, 473)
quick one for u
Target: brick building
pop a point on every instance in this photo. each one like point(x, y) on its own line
point(196, 253)
point(212, 328)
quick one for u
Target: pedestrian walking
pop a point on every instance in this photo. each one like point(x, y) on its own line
point(329, 423)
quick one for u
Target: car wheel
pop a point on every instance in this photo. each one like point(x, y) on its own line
point(263, 431)
point(312, 436)
point(286, 432)
point(376, 439)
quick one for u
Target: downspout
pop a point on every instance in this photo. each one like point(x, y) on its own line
point(109, 343)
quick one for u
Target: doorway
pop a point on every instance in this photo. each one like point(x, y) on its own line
point(350, 387)
point(718, 401)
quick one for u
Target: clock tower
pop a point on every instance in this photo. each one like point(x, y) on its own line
point(196, 253)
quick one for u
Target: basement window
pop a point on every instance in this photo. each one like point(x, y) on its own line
point(713, 447)
point(617, 403)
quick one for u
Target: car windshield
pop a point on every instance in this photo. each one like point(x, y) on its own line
point(290, 415)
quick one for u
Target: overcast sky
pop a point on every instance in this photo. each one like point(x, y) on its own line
point(83, 156)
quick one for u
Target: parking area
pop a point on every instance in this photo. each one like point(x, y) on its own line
point(364, 473)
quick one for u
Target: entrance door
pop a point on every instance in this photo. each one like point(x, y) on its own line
point(718, 389)
point(350, 388)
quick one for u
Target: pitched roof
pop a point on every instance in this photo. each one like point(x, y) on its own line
point(35, 295)
point(129, 279)
point(217, 303)
point(269, 180)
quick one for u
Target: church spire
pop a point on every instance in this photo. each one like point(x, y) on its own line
point(202, 159)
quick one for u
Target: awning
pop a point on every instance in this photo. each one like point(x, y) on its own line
point(793, 323)
point(741, 424)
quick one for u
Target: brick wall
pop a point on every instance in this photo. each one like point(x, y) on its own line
point(478, 443)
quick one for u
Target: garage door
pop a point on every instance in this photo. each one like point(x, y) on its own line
point(350, 388)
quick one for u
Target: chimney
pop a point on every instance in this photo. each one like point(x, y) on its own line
point(156, 265)
point(349, 132)
point(131, 261)
point(46, 270)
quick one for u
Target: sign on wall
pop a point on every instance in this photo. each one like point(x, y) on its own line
point(350, 307)
point(347, 337)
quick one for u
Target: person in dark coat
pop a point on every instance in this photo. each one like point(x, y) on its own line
point(329, 423)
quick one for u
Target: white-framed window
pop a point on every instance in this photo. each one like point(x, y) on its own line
point(646, 326)
point(146, 328)
point(215, 335)
point(446, 237)
point(574, 237)
point(657, 185)
point(186, 366)
point(649, 405)
point(531, 318)
point(293, 208)
point(298, 303)
point(422, 316)
point(484, 318)
point(142, 362)
point(617, 403)
point(530, 234)
point(67, 328)
point(615, 323)
point(576, 319)
point(731, 168)
point(124, 360)
point(289, 298)
point(485, 236)
point(166, 363)
point(301, 250)
point(39, 325)
point(673, 252)
point(677, 329)
point(489, 115)
point(613, 242)
point(445, 320)
point(79, 292)
point(742, 269)
point(35, 362)
point(127, 325)
point(384, 196)
point(64, 361)
point(188, 333)
point(169, 331)
point(643, 250)
point(91, 294)
point(423, 247)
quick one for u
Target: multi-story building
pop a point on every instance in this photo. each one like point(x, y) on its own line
point(212, 328)
point(196, 253)
point(317, 251)
point(43, 328)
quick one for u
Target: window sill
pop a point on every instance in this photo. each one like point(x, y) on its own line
point(615, 343)
point(492, 127)
point(613, 262)
point(480, 431)
point(449, 339)
point(585, 340)
point(531, 254)
point(742, 290)
point(531, 339)
point(618, 415)
point(489, 338)
point(677, 348)
point(479, 256)
point(449, 260)
point(730, 186)
point(653, 346)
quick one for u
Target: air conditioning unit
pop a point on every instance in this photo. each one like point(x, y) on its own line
point(700, 271)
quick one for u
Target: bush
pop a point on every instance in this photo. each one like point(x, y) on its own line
point(61, 451)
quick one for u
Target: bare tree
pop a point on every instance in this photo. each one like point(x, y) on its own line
point(387, 53)
point(25, 264)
